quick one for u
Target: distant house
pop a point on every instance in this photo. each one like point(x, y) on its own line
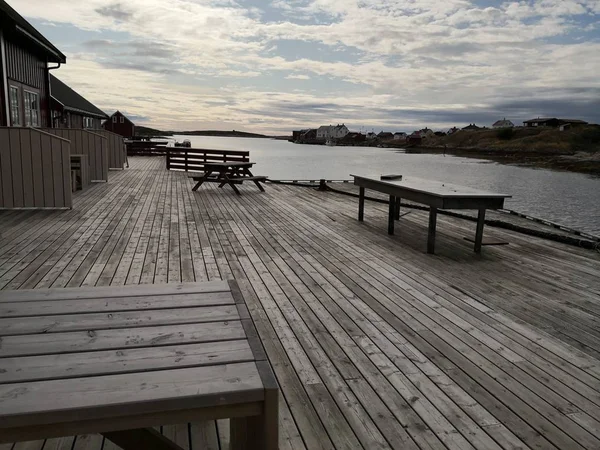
point(542, 122)
point(385, 135)
point(400, 136)
point(297, 133)
point(371, 136)
point(71, 110)
point(553, 122)
point(453, 130)
point(353, 137)
point(440, 133)
point(25, 86)
point(118, 123)
point(566, 124)
point(426, 132)
point(503, 124)
point(332, 131)
point(415, 138)
point(471, 127)
point(308, 135)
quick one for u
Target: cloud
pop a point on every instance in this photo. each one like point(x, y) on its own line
point(297, 77)
point(403, 62)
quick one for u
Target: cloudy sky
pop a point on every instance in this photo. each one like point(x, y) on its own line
point(275, 65)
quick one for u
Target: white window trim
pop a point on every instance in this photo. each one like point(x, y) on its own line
point(19, 104)
point(114, 119)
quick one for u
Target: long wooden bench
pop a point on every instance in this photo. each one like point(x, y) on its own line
point(121, 360)
point(194, 159)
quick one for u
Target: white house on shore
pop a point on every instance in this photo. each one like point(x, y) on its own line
point(503, 124)
point(400, 136)
point(332, 131)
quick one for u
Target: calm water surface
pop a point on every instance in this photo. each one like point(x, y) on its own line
point(567, 198)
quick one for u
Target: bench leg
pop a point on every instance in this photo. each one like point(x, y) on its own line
point(391, 214)
point(143, 438)
point(479, 232)
point(257, 183)
point(234, 187)
point(398, 208)
point(431, 233)
point(361, 204)
point(257, 432)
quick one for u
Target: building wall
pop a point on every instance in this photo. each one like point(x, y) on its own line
point(125, 129)
point(26, 70)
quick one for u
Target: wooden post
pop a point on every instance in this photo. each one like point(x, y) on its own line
point(186, 160)
point(168, 158)
point(391, 214)
point(431, 234)
point(479, 232)
point(361, 204)
point(322, 184)
point(398, 208)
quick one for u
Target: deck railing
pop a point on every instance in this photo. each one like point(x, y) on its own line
point(193, 159)
point(84, 142)
point(116, 149)
point(35, 169)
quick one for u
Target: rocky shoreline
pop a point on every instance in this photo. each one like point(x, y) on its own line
point(581, 161)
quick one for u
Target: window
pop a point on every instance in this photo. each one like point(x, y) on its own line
point(122, 119)
point(114, 119)
point(15, 109)
point(32, 110)
point(88, 122)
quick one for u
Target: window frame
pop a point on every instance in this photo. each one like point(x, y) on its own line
point(122, 119)
point(15, 88)
point(114, 119)
point(36, 93)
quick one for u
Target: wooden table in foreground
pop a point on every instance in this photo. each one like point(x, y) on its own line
point(436, 195)
point(230, 173)
point(120, 360)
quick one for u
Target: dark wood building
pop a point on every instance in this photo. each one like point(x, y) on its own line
point(118, 123)
point(71, 110)
point(24, 57)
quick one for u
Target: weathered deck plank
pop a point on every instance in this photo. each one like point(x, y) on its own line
point(375, 344)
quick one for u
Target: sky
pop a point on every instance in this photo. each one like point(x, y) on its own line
point(271, 66)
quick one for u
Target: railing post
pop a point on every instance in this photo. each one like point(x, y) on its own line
point(186, 160)
point(168, 159)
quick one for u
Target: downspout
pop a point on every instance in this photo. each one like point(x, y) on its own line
point(48, 69)
point(5, 80)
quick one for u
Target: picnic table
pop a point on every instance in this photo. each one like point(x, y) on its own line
point(230, 173)
point(121, 360)
point(435, 194)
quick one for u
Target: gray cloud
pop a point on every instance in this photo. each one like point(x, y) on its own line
point(116, 11)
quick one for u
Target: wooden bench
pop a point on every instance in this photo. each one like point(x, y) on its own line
point(194, 159)
point(121, 360)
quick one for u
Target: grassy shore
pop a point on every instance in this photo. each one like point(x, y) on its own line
point(576, 150)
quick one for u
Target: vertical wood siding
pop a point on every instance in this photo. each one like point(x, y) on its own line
point(29, 69)
point(116, 149)
point(35, 169)
point(88, 143)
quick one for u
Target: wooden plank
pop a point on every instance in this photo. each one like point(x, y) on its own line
point(37, 182)
point(116, 320)
point(80, 341)
point(16, 166)
point(107, 292)
point(73, 365)
point(27, 167)
point(112, 396)
point(113, 304)
point(58, 173)
point(47, 169)
point(203, 436)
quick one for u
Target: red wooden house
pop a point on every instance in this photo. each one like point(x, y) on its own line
point(118, 123)
point(24, 58)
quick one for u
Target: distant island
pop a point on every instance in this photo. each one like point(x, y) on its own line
point(152, 132)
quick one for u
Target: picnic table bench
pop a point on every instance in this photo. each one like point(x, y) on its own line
point(230, 173)
point(435, 194)
point(121, 360)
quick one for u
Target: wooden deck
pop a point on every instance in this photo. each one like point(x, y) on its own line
point(375, 344)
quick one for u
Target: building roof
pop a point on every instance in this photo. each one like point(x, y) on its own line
point(582, 122)
point(71, 100)
point(471, 126)
point(502, 122)
point(26, 29)
point(540, 119)
point(121, 114)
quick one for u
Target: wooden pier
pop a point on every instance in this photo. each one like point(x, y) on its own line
point(375, 344)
